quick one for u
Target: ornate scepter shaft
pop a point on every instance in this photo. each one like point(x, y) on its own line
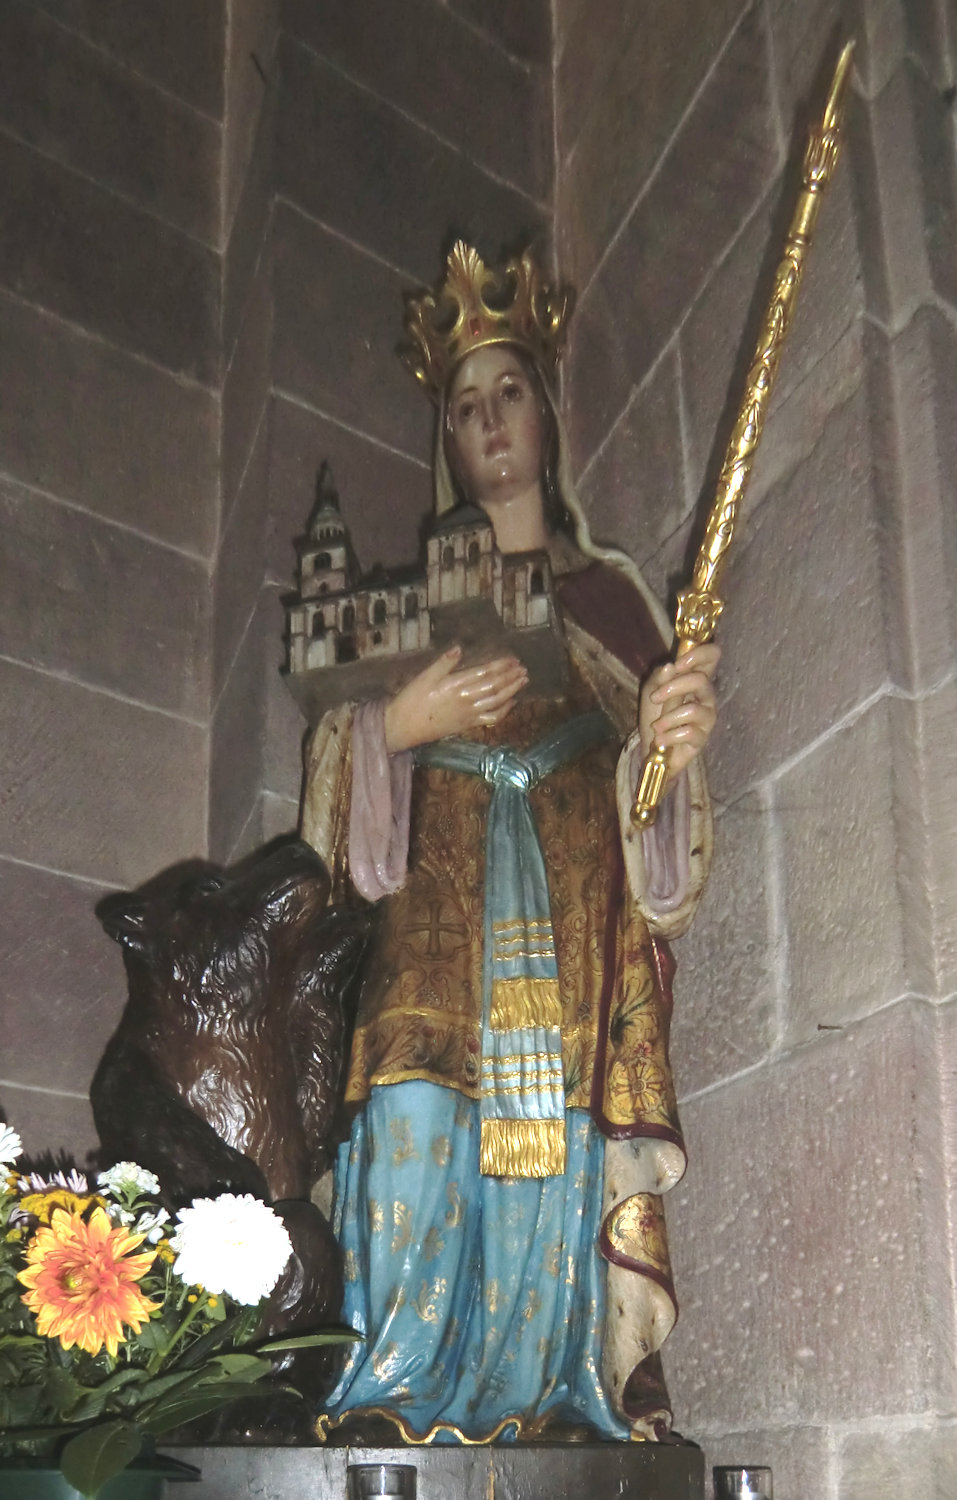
point(699, 605)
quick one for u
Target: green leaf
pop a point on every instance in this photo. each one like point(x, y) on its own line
point(202, 1347)
point(238, 1367)
point(92, 1400)
point(312, 1340)
point(126, 1375)
point(160, 1384)
point(94, 1456)
point(152, 1336)
point(60, 1390)
point(198, 1402)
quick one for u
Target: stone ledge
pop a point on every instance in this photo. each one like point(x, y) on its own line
point(629, 1471)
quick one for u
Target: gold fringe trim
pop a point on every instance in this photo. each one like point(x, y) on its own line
point(519, 1003)
point(522, 1148)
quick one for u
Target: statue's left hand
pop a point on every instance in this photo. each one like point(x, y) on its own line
point(441, 700)
point(677, 708)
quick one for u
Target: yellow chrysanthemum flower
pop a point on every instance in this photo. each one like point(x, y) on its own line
point(42, 1204)
point(82, 1281)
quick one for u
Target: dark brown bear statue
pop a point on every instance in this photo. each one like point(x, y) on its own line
point(224, 1074)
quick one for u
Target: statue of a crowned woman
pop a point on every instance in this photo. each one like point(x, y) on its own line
point(498, 1202)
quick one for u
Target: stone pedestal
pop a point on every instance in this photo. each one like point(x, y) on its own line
point(578, 1471)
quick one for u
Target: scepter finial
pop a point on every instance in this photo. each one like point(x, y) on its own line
point(820, 158)
point(834, 108)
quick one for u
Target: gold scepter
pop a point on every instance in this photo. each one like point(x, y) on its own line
point(699, 605)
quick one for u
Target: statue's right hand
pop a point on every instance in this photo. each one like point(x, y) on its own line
point(442, 701)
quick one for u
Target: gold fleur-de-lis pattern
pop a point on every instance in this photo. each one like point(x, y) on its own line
point(441, 1150)
point(402, 1232)
point(386, 1362)
point(433, 1244)
point(426, 1304)
point(401, 1133)
point(456, 1210)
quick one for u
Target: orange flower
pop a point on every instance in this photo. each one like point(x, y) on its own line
point(82, 1281)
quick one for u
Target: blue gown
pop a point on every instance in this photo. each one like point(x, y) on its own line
point(481, 1299)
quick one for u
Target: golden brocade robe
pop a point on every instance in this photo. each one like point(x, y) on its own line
point(421, 1008)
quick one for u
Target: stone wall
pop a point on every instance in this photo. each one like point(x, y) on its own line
point(814, 1038)
point(383, 130)
point(110, 126)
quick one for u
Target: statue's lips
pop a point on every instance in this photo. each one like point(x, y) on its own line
point(497, 447)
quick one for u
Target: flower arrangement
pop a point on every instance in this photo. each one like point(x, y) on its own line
point(120, 1322)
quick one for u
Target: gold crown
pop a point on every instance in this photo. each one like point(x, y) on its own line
point(474, 305)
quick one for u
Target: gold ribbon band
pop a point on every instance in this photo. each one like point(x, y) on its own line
point(524, 1002)
point(522, 1148)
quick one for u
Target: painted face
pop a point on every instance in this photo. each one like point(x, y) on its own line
point(495, 425)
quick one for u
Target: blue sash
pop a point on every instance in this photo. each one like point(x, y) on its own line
point(523, 1089)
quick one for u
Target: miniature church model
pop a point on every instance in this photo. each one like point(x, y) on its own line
point(359, 637)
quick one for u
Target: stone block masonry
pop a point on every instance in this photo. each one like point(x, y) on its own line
point(813, 1040)
point(110, 140)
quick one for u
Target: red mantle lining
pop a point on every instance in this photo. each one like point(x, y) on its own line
point(607, 604)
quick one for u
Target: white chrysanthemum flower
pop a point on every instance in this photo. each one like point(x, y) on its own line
point(232, 1244)
point(11, 1145)
point(127, 1177)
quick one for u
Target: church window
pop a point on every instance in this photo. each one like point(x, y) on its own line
point(323, 560)
point(536, 584)
point(318, 626)
point(378, 612)
point(411, 606)
point(448, 557)
point(473, 554)
point(345, 649)
point(348, 618)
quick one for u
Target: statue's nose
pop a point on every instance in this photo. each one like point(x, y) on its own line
point(491, 414)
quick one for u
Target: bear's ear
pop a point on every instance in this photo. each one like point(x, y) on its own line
point(123, 917)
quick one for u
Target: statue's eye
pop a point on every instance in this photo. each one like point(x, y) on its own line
point(511, 391)
point(466, 411)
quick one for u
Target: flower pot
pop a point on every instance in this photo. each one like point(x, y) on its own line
point(143, 1480)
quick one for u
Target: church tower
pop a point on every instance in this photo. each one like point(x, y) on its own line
point(327, 563)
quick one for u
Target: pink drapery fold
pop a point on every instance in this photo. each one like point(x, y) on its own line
point(665, 847)
point(379, 812)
